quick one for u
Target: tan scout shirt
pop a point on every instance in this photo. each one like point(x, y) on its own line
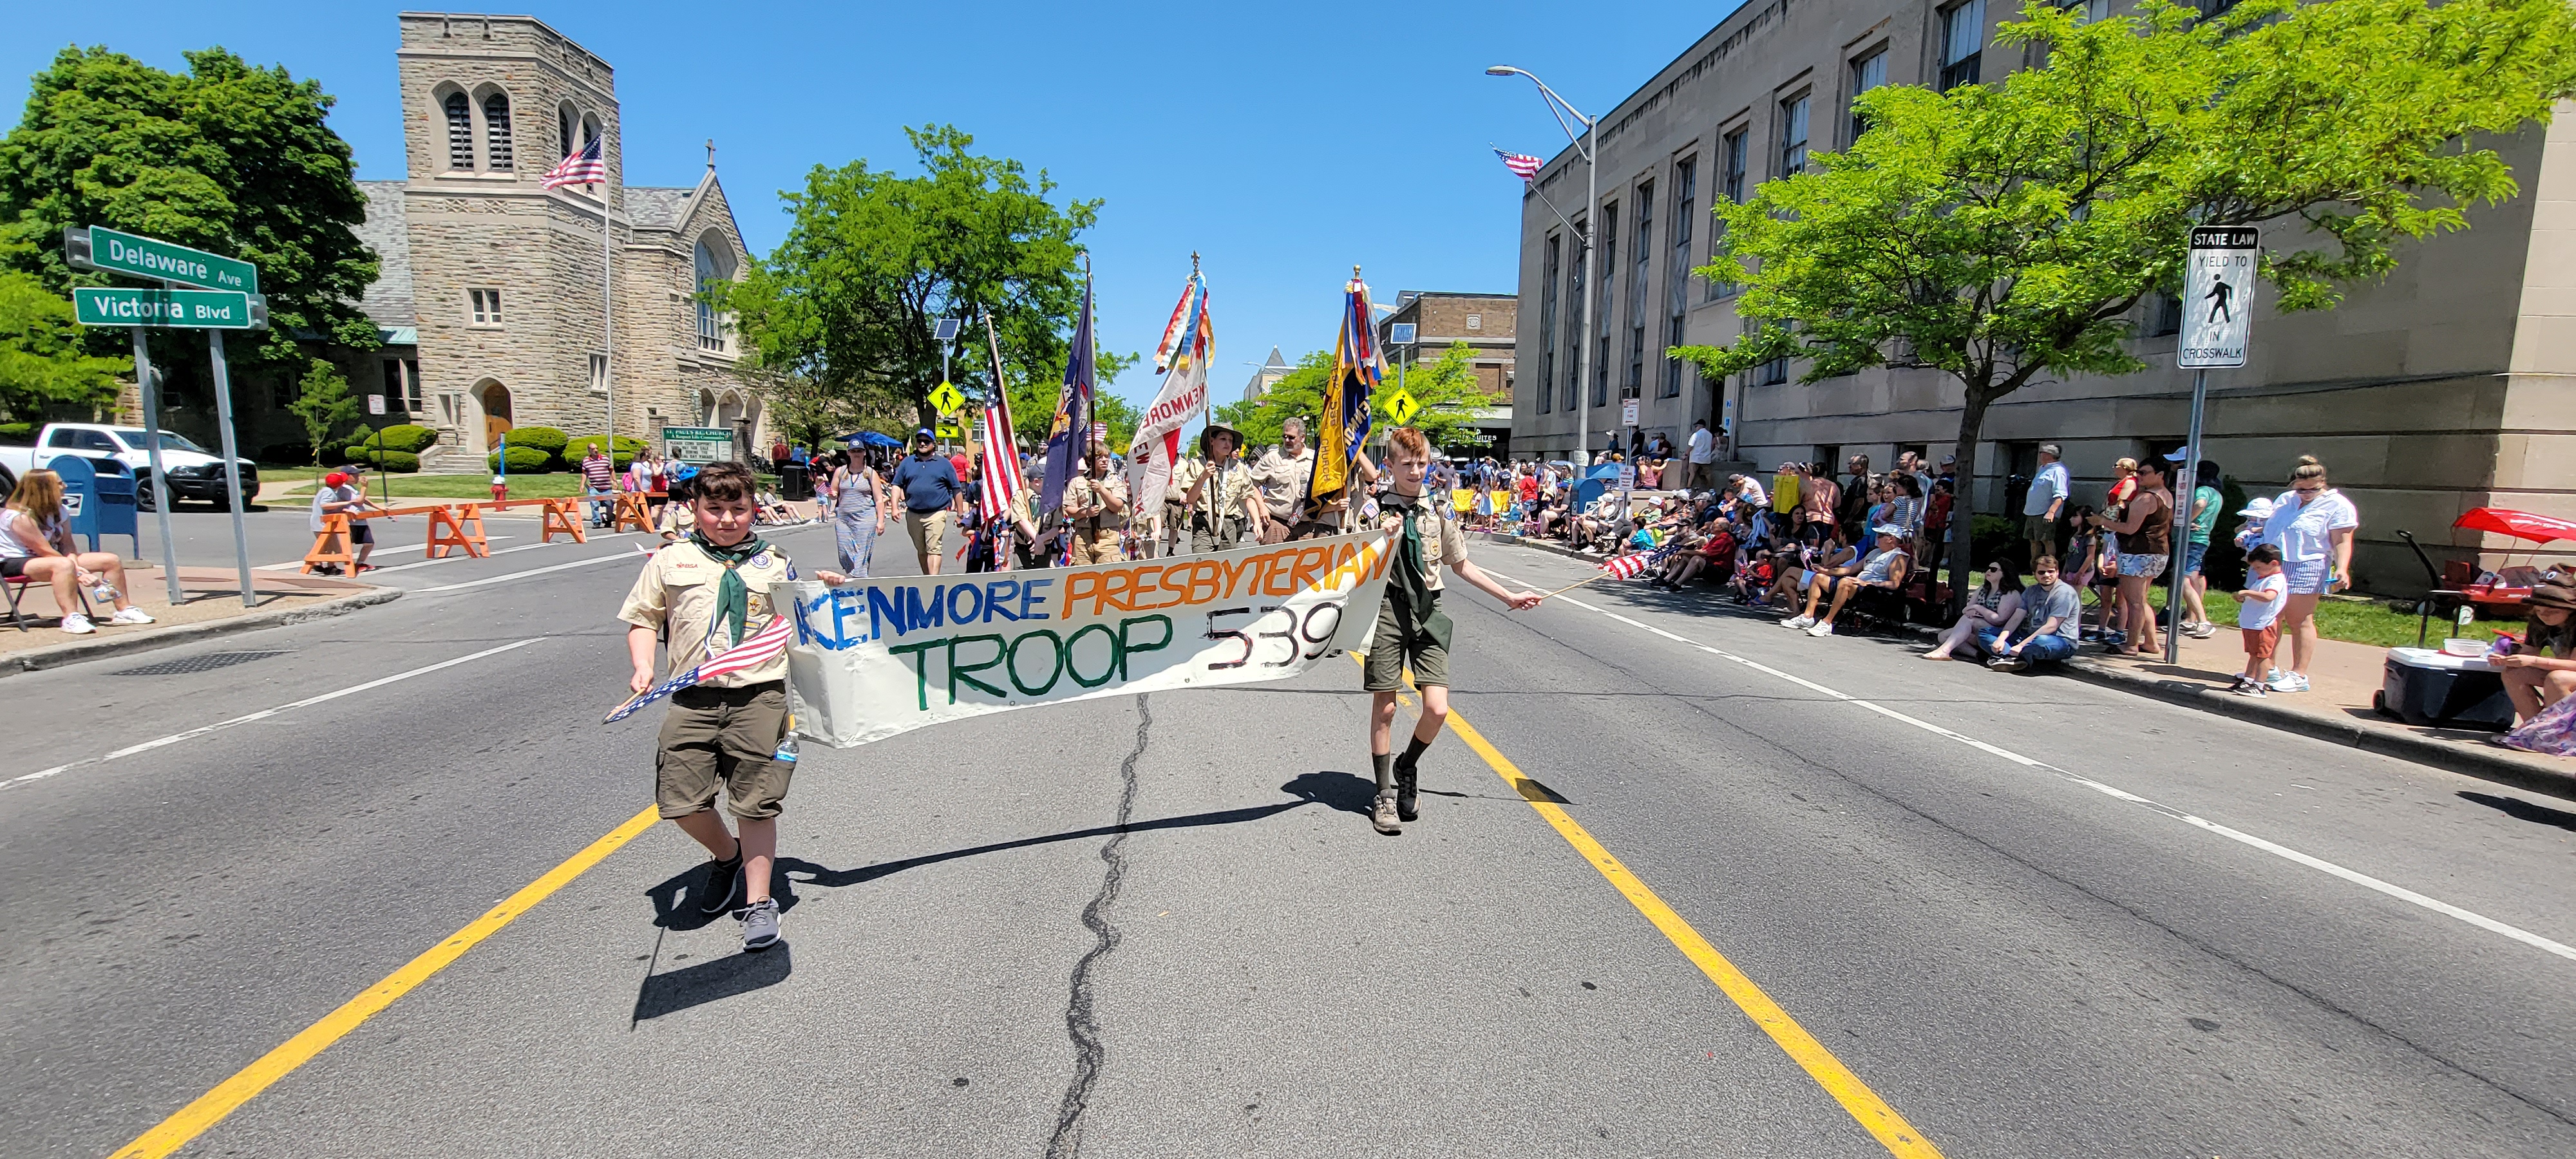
point(1185, 474)
point(1441, 546)
point(1227, 487)
point(1086, 499)
point(1283, 480)
point(678, 591)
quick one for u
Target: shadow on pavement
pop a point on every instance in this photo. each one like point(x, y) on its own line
point(711, 981)
point(2524, 810)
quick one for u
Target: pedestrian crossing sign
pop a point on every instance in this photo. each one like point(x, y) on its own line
point(947, 398)
point(949, 432)
point(2218, 296)
point(1403, 406)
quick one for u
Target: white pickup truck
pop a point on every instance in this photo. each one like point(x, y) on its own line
point(195, 473)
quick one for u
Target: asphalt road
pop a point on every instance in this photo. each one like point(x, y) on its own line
point(2034, 917)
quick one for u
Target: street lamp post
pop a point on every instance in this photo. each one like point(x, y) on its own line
point(1584, 145)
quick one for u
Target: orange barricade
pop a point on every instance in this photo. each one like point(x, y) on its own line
point(450, 529)
point(330, 546)
point(560, 519)
point(634, 512)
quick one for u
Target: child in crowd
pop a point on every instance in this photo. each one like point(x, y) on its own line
point(2258, 615)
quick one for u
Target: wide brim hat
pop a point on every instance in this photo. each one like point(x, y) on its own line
point(2551, 596)
point(1212, 428)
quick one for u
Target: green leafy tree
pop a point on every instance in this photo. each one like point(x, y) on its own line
point(1446, 388)
point(228, 157)
point(324, 404)
point(2002, 233)
point(873, 258)
point(41, 360)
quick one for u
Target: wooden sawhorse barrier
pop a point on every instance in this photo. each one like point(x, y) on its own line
point(331, 546)
point(450, 529)
point(634, 512)
point(561, 519)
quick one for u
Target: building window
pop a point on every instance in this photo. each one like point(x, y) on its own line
point(1867, 73)
point(1475, 321)
point(711, 328)
point(1601, 340)
point(567, 138)
point(1547, 326)
point(2167, 313)
point(1574, 306)
point(1677, 291)
point(599, 374)
point(486, 305)
point(496, 132)
point(460, 132)
point(1732, 155)
point(1640, 285)
point(1963, 40)
point(1793, 136)
point(402, 384)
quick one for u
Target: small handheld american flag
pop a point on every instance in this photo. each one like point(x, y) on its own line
point(582, 168)
point(1634, 564)
point(762, 647)
point(1522, 165)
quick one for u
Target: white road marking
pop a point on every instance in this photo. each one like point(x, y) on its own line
point(628, 557)
point(2284, 852)
point(265, 713)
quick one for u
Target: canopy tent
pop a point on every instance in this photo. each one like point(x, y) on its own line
point(2518, 524)
point(871, 439)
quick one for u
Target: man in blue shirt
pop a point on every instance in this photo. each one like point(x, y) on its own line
point(928, 485)
point(2047, 500)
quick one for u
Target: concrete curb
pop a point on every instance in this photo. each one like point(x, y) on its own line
point(2487, 763)
point(57, 656)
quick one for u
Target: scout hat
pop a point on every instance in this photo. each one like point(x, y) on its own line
point(2552, 596)
point(1206, 436)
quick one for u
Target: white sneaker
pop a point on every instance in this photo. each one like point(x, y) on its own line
point(2272, 676)
point(1822, 630)
point(131, 616)
point(78, 624)
point(1799, 622)
point(2289, 682)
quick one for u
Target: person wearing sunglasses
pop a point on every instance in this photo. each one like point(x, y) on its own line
point(1995, 605)
point(2312, 526)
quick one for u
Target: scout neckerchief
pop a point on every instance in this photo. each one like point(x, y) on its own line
point(1409, 589)
point(733, 597)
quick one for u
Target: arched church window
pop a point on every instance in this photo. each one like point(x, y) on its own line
point(496, 131)
point(460, 132)
point(711, 330)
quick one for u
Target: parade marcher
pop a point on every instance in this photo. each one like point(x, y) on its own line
point(929, 486)
point(858, 512)
point(1227, 507)
point(1173, 527)
point(1096, 502)
point(707, 593)
point(1412, 632)
point(1282, 475)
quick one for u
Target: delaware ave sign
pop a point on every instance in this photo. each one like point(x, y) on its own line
point(886, 656)
point(101, 248)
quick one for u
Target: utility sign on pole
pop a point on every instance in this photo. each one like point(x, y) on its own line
point(2218, 296)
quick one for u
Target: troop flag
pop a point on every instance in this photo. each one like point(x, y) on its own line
point(1065, 443)
point(1634, 564)
point(763, 646)
point(1183, 359)
point(1357, 369)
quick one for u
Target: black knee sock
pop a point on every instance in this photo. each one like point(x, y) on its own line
point(1413, 751)
point(1385, 770)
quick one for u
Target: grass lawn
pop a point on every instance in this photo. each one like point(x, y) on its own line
point(2360, 620)
point(561, 485)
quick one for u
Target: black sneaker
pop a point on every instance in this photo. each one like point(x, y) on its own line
point(1408, 794)
point(724, 883)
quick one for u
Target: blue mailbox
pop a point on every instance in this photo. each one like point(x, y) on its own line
point(98, 493)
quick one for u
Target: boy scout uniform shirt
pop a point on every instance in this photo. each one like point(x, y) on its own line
point(1440, 548)
point(1185, 475)
point(1089, 494)
point(1226, 489)
point(677, 592)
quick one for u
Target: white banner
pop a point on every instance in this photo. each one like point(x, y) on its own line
point(1158, 437)
point(886, 656)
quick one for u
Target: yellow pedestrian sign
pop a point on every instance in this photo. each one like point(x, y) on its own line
point(948, 398)
point(1403, 406)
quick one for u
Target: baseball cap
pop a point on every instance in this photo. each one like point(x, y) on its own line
point(1887, 529)
point(2257, 509)
point(335, 479)
point(2177, 456)
point(2049, 449)
point(923, 433)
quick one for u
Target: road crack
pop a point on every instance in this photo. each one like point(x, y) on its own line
point(1081, 1024)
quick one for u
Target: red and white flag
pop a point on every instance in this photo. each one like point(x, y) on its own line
point(582, 168)
point(1184, 356)
point(1522, 165)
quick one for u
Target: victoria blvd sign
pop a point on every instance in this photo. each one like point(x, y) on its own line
point(100, 248)
point(191, 309)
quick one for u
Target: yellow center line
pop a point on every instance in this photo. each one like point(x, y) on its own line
point(210, 1108)
point(1874, 1115)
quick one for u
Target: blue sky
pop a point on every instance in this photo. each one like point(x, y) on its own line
point(1282, 142)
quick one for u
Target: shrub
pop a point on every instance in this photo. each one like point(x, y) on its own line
point(546, 440)
point(390, 460)
point(410, 437)
point(523, 460)
point(578, 448)
point(17, 430)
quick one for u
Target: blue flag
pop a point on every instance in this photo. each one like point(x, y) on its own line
point(1068, 436)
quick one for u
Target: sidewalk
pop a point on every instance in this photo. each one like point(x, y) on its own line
point(211, 606)
point(2342, 679)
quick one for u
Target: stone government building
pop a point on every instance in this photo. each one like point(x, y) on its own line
point(2442, 389)
point(489, 300)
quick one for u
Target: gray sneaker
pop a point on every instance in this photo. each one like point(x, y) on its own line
point(760, 925)
point(1383, 815)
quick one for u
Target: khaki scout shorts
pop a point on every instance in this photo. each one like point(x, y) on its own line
point(723, 737)
point(1395, 646)
point(929, 530)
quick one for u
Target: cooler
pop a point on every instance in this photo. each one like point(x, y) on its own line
point(2427, 687)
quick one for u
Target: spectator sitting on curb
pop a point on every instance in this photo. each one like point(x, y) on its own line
point(1754, 572)
point(2539, 672)
point(1884, 568)
point(2047, 633)
point(36, 543)
point(1995, 604)
point(1800, 567)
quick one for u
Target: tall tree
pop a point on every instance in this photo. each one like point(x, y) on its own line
point(2000, 233)
point(874, 258)
point(324, 405)
point(228, 157)
point(41, 360)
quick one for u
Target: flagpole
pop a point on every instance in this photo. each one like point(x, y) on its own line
point(607, 322)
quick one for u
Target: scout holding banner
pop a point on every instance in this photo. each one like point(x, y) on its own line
point(880, 657)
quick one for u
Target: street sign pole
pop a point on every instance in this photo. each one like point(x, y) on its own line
point(2218, 328)
point(152, 451)
point(232, 462)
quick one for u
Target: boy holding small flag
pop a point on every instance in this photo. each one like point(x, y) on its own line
point(727, 728)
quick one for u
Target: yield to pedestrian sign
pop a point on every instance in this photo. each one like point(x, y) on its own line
point(2218, 296)
point(947, 398)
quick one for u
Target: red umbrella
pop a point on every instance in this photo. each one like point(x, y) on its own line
point(2518, 524)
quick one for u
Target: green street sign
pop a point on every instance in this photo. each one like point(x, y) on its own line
point(100, 248)
point(188, 309)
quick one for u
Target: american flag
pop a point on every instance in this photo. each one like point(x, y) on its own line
point(1522, 165)
point(764, 646)
point(582, 168)
point(1001, 480)
point(1634, 564)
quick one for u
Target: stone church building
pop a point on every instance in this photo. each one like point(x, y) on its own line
point(489, 300)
